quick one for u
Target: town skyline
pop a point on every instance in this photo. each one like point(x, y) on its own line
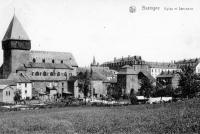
point(107, 29)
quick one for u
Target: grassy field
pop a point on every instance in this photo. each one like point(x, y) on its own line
point(179, 117)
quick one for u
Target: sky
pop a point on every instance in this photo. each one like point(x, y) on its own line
point(107, 29)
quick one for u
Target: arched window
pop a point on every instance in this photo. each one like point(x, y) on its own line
point(37, 74)
point(61, 61)
point(58, 74)
point(53, 61)
point(51, 74)
point(43, 60)
point(34, 60)
point(44, 73)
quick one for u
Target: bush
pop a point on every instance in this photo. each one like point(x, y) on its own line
point(133, 97)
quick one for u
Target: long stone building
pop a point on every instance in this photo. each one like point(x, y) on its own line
point(44, 69)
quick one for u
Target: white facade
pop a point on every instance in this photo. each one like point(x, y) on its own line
point(26, 90)
point(197, 69)
point(156, 71)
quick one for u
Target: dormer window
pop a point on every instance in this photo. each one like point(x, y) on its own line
point(61, 61)
point(34, 60)
point(43, 60)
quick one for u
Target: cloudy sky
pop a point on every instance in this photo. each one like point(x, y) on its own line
point(107, 29)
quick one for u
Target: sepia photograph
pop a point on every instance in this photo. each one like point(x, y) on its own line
point(100, 67)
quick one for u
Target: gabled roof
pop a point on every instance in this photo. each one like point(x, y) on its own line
point(98, 76)
point(166, 65)
point(126, 66)
point(3, 86)
point(19, 78)
point(148, 75)
point(168, 74)
point(24, 78)
point(67, 57)
point(15, 31)
point(128, 71)
point(7, 82)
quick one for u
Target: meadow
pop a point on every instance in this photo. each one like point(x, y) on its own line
point(177, 117)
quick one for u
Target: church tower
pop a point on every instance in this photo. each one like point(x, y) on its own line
point(16, 45)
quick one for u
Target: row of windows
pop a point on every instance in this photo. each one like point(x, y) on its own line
point(7, 93)
point(160, 70)
point(25, 84)
point(43, 60)
point(51, 74)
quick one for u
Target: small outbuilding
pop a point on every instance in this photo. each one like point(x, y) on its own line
point(7, 91)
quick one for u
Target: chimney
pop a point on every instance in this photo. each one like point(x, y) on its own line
point(115, 59)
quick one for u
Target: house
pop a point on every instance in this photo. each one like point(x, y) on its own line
point(169, 79)
point(23, 84)
point(7, 91)
point(155, 68)
point(98, 88)
point(195, 63)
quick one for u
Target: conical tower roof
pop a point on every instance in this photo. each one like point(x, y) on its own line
point(15, 31)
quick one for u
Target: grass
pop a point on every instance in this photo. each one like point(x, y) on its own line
point(179, 117)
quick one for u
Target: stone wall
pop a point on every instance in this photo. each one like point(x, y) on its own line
point(132, 82)
point(98, 88)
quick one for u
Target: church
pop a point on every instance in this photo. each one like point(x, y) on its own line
point(44, 69)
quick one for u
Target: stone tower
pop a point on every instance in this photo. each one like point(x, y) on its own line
point(16, 45)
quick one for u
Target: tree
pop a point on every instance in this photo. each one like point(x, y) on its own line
point(163, 92)
point(117, 93)
point(146, 87)
point(17, 96)
point(133, 97)
point(189, 81)
point(84, 83)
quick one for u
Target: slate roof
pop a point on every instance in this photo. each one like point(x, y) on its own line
point(15, 31)
point(162, 65)
point(67, 57)
point(19, 78)
point(47, 65)
point(47, 78)
point(73, 78)
point(7, 82)
point(128, 71)
point(21, 68)
point(167, 74)
point(98, 76)
point(148, 75)
point(129, 58)
point(3, 86)
point(131, 71)
point(29, 78)
point(126, 66)
point(194, 60)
